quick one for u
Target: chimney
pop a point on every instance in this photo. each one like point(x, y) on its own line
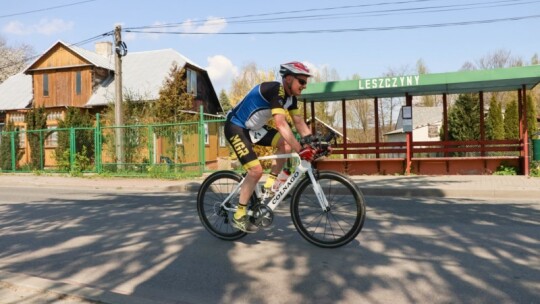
point(104, 48)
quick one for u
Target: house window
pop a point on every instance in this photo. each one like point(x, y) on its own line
point(179, 138)
point(191, 79)
point(45, 84)
point(206, 135)
point(52, 137)
point(22, 137)
point(78, 83)
point(221, 134)
point(54, 115)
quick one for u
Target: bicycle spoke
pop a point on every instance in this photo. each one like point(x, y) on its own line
point(210, 204)
point(333, 227)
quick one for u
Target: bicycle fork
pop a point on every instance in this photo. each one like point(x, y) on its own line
point(318, 192)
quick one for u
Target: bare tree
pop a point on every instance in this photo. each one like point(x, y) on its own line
point(388, 107)
point(427, 100)
point(498, 59)
point(361, 113)
point(326, 111)
point(13, 59)
point(250, 75)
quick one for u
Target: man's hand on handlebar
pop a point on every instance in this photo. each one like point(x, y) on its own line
point(307, 153)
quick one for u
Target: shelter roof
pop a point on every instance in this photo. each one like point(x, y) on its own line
point(493, 80)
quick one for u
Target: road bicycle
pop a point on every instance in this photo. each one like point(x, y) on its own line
point(327, 208)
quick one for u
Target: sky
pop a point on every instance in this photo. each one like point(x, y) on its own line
point(366, 38)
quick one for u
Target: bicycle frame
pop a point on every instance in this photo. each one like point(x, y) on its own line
point(291, 182)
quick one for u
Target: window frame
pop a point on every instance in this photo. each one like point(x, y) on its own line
point(191, 81)
point(51, 141)
point(78, 83)
point(221, 134)
point(206, 134)
point(45, 89)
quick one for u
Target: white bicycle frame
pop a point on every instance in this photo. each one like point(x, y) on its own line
point(291, 182)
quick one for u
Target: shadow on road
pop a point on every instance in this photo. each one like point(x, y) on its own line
point(153, 246)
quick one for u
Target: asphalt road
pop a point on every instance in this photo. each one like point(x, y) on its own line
point(126, 246)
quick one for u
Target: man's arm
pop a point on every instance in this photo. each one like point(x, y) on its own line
point(301, 125)
point(285, 130)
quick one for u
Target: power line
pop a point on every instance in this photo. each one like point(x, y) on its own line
point(45, 9)
point(196, 21)
point(365, 29)
point(413, 10)
point(382, 12)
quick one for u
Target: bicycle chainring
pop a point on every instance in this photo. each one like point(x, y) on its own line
point(262, 216)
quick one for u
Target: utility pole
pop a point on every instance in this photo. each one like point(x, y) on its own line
point(120, 51)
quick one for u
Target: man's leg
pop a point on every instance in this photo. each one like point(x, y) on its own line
point(253, 176)
point(240, 218)
point(282, 148)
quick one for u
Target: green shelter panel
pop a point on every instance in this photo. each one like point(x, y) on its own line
point(494, 80)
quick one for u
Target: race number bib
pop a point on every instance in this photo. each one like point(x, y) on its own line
point(257, 135)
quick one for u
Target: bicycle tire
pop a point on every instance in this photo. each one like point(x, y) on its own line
point(341, 223)
point(213, 191)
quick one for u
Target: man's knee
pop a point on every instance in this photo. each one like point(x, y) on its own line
point(255, 172)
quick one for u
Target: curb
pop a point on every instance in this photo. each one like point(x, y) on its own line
point(433, 192)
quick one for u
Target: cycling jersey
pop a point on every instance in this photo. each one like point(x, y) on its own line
point(263, 101)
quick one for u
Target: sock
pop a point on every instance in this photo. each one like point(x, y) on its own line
point(241, 211)
point(270, 180)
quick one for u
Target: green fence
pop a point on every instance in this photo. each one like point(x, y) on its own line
point(167, 150)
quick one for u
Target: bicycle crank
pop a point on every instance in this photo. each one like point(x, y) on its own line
point(262, 216)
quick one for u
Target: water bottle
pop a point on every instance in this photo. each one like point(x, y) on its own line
point(281, 178)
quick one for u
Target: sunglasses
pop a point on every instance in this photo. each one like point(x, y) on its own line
point(301, 81)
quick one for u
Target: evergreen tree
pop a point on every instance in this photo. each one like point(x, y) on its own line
point(174, 98)
point(224, 100)
point(36, 119)
point(494, 122)
point(5, 146)
point(84, 139)
point(511, 121)
point(463, 118)
point(531, 116)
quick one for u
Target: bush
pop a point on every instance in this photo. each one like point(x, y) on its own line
point(506, 170)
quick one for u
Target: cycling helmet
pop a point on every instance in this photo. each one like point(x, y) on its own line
point(294, 68)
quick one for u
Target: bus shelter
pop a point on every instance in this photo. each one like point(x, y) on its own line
point(375, 155)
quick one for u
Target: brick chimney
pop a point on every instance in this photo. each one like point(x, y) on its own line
point(104, 48)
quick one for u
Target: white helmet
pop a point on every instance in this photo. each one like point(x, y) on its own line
point(294, 68)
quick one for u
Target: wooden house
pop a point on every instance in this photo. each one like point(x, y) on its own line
point(70, 76)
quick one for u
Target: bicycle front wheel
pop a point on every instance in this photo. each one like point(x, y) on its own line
point(212, 203)
point(341, 222)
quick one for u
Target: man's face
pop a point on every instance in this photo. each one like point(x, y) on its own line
point(297, 83)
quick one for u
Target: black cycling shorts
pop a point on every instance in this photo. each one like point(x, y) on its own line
point(242, 142)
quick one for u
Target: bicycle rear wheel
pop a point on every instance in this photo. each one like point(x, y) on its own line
point(338, 225)
point(213, 192)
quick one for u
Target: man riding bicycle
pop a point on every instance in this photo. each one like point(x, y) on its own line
point(246, 125)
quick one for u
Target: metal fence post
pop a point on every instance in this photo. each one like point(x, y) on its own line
point(150, 145)
point(13, 151)
point(41, 150)
point(202, 134)
point(72, 148)
point(97, 144)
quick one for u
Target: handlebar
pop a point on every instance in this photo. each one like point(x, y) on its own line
point(321, 143)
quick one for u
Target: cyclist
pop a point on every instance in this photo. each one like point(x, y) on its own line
point(246, 125)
